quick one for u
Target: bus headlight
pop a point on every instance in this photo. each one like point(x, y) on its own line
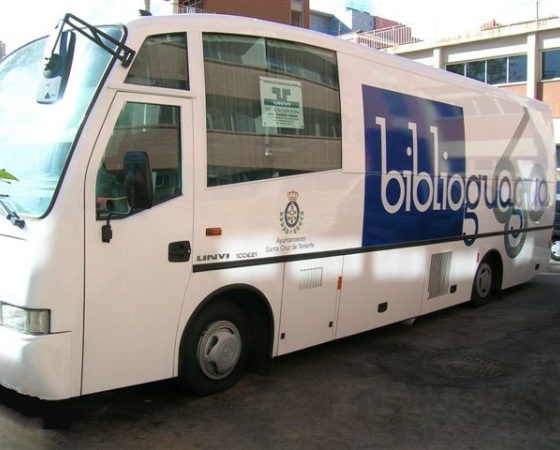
point(24, 320)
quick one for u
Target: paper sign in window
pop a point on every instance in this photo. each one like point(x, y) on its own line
point(281, 103)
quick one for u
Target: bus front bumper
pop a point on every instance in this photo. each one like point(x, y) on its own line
point(37, 366)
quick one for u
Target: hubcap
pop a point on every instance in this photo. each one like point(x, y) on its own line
point(484, 280)
point(555, 250)
point(219, 349)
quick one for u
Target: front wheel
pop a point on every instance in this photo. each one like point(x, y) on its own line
point(214, 349)
point(483, 284)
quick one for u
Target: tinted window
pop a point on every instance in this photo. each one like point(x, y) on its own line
point(272, 109)
point(456, 68)
point(507, 69)
point(517, 68)
point(497, 71)
point(162, 62)
point(551, 64)
point(476, 70)
point(150, 128)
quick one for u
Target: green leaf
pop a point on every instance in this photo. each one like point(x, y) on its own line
point(5, 175)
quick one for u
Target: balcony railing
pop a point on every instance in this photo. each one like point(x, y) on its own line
point(188, 10)
point(386, 37)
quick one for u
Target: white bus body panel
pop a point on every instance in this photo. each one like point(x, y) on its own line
point(34, 365)
point(133, 292)
point(310, 303)
point(42, 267)
point(119, 309)
point(378, 287)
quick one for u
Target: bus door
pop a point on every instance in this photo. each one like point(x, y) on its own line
point(137, 261)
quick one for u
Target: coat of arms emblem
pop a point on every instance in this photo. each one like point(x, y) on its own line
point(292, 216)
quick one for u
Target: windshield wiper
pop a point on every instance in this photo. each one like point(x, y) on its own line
point(11, 213)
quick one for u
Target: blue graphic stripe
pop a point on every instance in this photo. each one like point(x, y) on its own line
point(415, 168)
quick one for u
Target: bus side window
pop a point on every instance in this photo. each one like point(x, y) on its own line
point(161, 62)
point(272, 108)
point(150, 128)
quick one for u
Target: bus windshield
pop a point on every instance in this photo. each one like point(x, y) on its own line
point(36, 138)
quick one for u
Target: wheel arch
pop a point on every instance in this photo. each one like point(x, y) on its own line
point(256, 308)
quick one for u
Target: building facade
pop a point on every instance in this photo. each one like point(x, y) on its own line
point(347, 22)
point(523, 58)
point(291, 12)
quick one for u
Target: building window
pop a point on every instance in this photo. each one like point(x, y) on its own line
point(476, 70)
point(503, 70)
point(272, 109)
point(191, 6)
point(517, 69)
point(496, 71)
point(551, 64)
point(458, 68)
point(296, 8)
point(161, 62)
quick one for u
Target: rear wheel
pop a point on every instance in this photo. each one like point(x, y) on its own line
point(555, 250)
point(214, 349)
point(483, 285)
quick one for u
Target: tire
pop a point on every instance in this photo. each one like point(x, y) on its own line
point(214, 349)
point(555, 250)
point(483, 284)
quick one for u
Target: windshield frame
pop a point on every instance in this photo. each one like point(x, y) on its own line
point(83, 112)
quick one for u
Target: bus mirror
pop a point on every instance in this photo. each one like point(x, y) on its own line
point(138, 180)
point(59, 53)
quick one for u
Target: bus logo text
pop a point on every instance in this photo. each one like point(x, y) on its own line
point(416, 187)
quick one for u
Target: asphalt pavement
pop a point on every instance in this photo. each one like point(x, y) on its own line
point(485, 378)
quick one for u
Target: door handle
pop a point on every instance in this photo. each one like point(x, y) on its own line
point(179, 251)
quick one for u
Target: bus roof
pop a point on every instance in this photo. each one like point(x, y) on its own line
point(228, 24)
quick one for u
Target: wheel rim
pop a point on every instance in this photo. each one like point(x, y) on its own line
point(555, 250)
point(484, 280)
point(219, 349)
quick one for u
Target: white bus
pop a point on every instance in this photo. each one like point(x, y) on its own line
point(191, 196)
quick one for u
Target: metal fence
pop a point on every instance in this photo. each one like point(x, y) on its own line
point(188, 10)
point(386, 37)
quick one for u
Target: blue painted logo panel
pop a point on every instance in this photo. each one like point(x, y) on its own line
point(415, 168)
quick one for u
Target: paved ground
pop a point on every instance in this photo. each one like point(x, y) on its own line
point(458, 379)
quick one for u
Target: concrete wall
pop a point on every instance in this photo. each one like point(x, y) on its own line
point(531, 38)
